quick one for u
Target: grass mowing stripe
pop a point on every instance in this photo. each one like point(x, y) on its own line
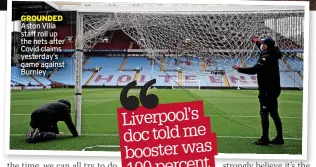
point(215, 109)
point(242, 100)
point(116, 135)
point(99, 117)
point(236, 116)
point(69, 100)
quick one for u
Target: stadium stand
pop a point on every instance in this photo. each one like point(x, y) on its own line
point(117, 40)
point(19, 79)
point(43, 80)
point(109, 73)
point(113, 78)
point(295, 64)
point(108, 70)
point(142, 63)
point(100, 69)
point(64, 75)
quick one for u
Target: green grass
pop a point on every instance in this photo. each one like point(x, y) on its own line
point(234, 116)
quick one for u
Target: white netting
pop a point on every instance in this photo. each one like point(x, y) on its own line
point(199, 42)
point(187, 44)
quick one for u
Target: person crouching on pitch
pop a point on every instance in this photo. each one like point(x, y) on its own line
point(268, 75)
point(44, 121)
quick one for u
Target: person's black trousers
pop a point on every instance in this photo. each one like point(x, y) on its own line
point(269, 106)
point(47, 130)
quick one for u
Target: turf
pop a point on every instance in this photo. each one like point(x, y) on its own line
point(234, 116)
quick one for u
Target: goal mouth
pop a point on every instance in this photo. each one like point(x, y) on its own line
point(189, 38)
point(196, 41)
point(194, 31)
point(186, 84)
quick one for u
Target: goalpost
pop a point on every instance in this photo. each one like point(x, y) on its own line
point(186, 84)
point(247, 84)
point(196, 33)
point(80, 45)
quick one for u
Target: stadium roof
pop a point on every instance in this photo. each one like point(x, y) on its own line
point(32, 7)
point(128, 7)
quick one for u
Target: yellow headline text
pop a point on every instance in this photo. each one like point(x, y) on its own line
point(38, 18)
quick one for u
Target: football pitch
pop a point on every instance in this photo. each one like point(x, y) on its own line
point(234, 118)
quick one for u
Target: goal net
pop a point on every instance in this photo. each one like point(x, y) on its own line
point(195, 39)
point(186, 84)
point(199, 42)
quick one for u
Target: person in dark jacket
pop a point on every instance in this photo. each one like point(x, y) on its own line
point(268, 75)
point(44, 121)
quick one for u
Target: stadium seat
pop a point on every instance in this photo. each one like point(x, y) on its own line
point(65, 75)
point(134, 62)
point(110, 74)
point(21, 79)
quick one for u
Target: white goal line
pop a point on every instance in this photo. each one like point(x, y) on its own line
point(101, 146)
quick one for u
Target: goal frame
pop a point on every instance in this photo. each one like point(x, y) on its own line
point(78, 72)
point(108, 8)
point(176, 83)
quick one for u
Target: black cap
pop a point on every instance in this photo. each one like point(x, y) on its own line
point(269, 42)
point(67, 102)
